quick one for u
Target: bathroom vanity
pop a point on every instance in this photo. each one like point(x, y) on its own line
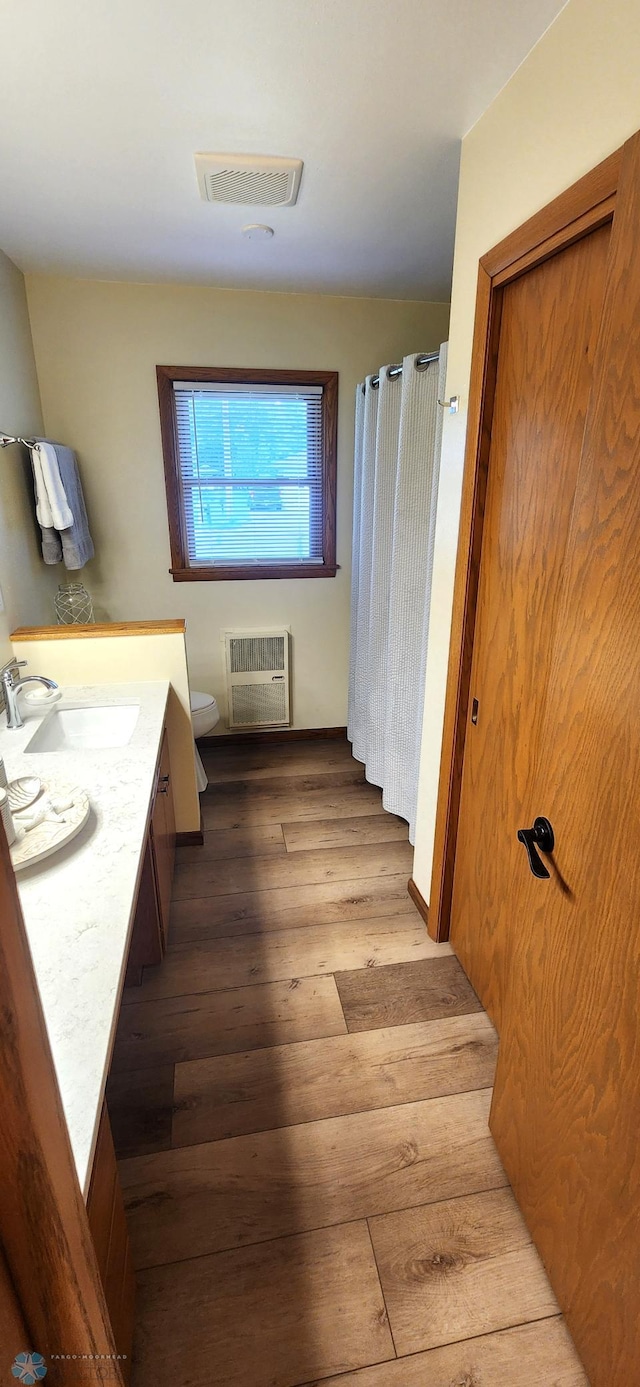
point(96, 914)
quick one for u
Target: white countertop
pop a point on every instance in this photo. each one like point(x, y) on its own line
point(78, 905)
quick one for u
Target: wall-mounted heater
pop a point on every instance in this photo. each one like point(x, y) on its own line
point(257, 664)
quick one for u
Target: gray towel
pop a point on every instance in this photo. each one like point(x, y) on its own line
point(51, 546)
point(74, 544)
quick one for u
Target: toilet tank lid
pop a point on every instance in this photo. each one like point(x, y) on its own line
point(200, 701)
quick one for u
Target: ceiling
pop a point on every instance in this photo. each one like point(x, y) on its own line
point(103, 104)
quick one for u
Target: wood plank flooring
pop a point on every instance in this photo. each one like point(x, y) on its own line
point(292, 908)
point(249, 1189)
point(210, 964)
point(231, 876)
point(476, 1247)
point(279, 1312)
point(231, 1094)
point(299, 1099)
point(170, 1029)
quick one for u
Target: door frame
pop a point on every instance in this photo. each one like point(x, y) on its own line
point(582, 208)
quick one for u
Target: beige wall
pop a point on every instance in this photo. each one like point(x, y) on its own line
point(118, 660)
point(27, 585)
point(573, 101)
point(97, 345)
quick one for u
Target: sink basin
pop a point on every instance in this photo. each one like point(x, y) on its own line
point(86, 729)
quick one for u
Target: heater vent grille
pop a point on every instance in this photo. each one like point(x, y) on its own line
point(255, 654)
point(255, 705)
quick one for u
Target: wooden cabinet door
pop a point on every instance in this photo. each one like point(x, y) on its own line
point(150, 928)
point(566, 1111)
point(163, 835)
point(147, 938)
point(107, 1221)
point(549, 327)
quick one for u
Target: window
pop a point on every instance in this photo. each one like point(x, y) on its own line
point(250, 469)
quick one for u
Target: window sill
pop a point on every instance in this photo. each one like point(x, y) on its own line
point(255, 573)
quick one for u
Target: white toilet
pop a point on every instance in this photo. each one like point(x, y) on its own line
point(204, 716)
point(204, 713)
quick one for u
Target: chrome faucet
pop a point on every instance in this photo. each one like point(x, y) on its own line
point(11, 688)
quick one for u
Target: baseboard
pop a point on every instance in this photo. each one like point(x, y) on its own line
point(277, 734)
point(193, 839)
point(418, 900)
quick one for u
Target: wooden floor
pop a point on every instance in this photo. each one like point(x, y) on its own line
point(299, 1100)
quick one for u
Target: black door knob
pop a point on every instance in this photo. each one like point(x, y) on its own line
point(540, 836)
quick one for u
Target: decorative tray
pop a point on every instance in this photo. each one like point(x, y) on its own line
point(63, 809)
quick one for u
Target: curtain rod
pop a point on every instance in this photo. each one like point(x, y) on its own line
point(6, 439)
point(422, 361)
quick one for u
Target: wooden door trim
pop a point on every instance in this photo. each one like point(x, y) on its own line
point(558, 216)
point(596, 217)
point(581, 209)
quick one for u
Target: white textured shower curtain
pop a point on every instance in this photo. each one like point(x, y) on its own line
point(396, 469)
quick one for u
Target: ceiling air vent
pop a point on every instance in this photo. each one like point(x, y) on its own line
point(255, 179)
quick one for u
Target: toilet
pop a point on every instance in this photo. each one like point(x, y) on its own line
point(204, 713)
point(204, 716)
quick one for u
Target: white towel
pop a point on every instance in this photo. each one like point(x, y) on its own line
point(52, 508)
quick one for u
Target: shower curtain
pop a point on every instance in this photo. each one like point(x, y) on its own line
point(396, 469)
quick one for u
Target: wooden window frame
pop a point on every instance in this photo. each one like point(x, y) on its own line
point(181, 571)
point(585, 206)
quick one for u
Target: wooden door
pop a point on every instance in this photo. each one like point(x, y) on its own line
point(566, 1112)
point(549, 325)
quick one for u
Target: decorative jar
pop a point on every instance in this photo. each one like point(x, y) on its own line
point(73, 605)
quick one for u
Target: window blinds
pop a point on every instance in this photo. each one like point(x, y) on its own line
point(250, 465)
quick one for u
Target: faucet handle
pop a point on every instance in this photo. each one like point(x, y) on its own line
point(6, 674)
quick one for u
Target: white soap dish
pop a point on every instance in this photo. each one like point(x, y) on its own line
point(22, 792)
point(42, 698)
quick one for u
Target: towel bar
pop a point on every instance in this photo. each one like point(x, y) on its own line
point(6, 439)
